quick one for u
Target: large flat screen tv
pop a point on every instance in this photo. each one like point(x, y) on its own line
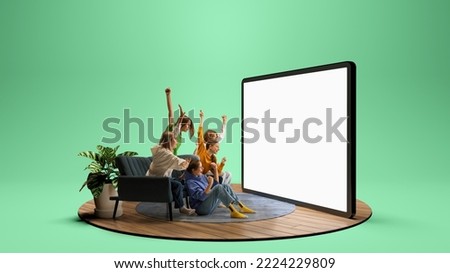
point(299, 137)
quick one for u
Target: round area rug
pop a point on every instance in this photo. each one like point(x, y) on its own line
point(265, 208)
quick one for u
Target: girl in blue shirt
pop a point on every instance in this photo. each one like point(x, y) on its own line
point(206, 193)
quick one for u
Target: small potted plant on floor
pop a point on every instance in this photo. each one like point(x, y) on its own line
point(102, 178)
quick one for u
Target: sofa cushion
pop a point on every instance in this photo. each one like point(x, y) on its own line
point(133, 165)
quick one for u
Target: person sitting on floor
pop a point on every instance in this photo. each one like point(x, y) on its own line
point(206, 193)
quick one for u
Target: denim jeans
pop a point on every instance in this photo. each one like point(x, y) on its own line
point(177, 192)
point(220, 193)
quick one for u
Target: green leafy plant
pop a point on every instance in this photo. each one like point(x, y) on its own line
point(103, 168)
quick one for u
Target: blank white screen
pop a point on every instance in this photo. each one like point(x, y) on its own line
point(313, 173)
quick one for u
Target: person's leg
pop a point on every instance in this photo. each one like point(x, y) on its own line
point(220, 193)
point(243, 208)
point(225, 178)
point(177, 192)
point(215, 196)
point(179, 176)
point(208, 205)
point(227, 188)
point(233, 212)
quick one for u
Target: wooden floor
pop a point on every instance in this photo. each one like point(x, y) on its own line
point(302, 222)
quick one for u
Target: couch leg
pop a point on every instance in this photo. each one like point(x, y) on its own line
point(187, 202)
point(115, 207)
point(169, 206)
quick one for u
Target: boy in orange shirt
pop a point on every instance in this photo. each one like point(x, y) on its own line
point(206, 151)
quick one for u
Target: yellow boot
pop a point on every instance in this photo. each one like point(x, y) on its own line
point(234, 213)
point(245, 209)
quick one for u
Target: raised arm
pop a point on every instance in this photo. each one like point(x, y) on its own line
point(182, 114)
point(201, 119)
point(221, 135)
point(200, 139)
point(177, 125)
point(169, 105)
point(179, 119)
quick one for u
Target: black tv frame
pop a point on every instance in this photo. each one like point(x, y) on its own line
point(351, 136)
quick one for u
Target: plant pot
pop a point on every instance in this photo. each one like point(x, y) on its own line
point(104, 208)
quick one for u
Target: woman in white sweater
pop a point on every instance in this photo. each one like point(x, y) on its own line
point(164, 162)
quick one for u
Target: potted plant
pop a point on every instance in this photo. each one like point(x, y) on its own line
point(102, 178)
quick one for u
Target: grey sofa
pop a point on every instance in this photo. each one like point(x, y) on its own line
point(133, 185)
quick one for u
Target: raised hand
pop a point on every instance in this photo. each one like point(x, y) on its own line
point(224, 119)
point(182, 114)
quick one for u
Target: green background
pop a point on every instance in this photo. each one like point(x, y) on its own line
point(66, 66)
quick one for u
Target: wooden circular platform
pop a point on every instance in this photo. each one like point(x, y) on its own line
point(301, 223)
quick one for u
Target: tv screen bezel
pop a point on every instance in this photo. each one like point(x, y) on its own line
point(351, 136)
